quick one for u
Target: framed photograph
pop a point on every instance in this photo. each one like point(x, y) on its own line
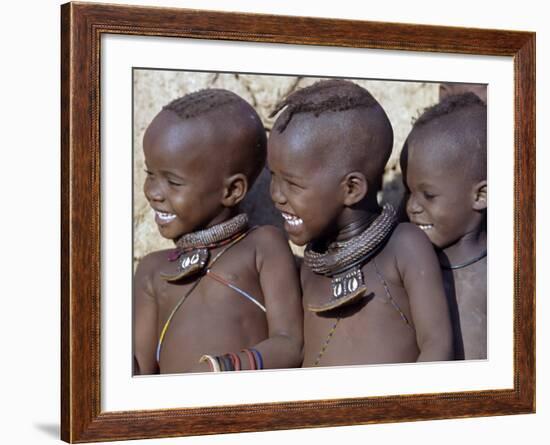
point(121, 64)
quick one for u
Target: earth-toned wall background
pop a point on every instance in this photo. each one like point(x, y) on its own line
point(403, 102)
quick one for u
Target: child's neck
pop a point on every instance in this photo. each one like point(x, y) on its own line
point(354, 221)
point(224, 215)
point(468, 247)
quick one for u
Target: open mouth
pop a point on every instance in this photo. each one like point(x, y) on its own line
point(291, 219)
point(163, 217)
point(425, 227)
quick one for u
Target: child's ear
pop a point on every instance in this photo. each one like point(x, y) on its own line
point(480, 196)
point(355, 188)
point(235, 189)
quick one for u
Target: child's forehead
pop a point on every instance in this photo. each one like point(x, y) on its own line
point(171, 138)
point(437, 166)
point(437, 176)
point(306, 141)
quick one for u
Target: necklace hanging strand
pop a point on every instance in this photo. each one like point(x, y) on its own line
point(467, 263)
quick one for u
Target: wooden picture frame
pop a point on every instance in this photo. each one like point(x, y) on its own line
point(82, 26)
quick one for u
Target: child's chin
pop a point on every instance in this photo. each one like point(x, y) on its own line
point(169, 237)
point(433, 239)
point(299, 243)
point(298, 240)
point(166, 233)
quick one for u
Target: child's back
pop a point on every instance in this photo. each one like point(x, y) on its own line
point(225, 288)
point(372, 290)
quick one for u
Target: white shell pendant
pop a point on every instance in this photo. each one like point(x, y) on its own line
point(344, 285)
point(346, 289)
point(188, 265)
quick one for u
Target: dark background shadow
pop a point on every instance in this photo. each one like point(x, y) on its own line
point(49, 429)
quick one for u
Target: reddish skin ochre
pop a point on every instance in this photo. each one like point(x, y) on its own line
point(195, 172)
point(318, 177)
point(450, 203)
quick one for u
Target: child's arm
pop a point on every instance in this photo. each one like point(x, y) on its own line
point(421, 275)
point(282, 297)
point(145, 318)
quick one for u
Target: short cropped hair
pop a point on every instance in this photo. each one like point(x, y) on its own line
point(321, 97)
point(372, 147)
point(449, 105)
point(464, 117)
point(201, 102)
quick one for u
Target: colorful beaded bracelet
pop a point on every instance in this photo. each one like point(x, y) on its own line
point(258, 358)
point(214, 364)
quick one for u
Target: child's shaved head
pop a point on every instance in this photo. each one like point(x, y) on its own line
point(242, 133)
point(459, 122)
point(356, 131)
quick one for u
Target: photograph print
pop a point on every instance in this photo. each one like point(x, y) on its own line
point(289, 221)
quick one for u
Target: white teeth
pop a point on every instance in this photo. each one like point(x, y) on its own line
point(425, 226)
point(165, 217)
point(291, 219)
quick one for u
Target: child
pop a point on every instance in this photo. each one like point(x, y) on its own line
point(372, 290)
point(228, 297)
point(444, 162)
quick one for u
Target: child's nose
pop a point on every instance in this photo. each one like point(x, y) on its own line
point(413, 206)
point(275, 190)
point(152, 191)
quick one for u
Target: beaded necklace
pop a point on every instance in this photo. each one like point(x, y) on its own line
point(193, 249)
point(213, 234)
point(342, 261)
point(467, 263)
point(342, 255)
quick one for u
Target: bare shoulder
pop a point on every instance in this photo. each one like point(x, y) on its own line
point(272, 249)
point(410, 246)
point(267, 238)
point(150, 264)
point(407, 238)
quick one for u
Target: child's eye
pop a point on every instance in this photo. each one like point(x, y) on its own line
point(177, 184)
point(428, 195)
point(149, 173)
point(294, 185)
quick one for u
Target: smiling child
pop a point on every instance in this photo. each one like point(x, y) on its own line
point(372, 288)
point(228, 296)
point(444, 162)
